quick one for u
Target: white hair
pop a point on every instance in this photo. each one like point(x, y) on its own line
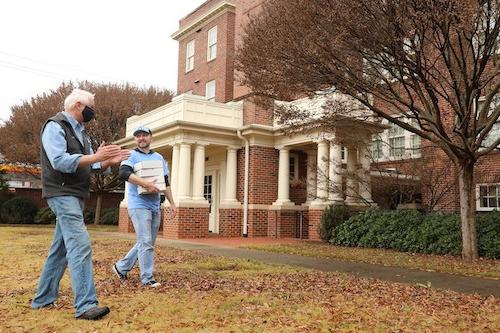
point(78, 95)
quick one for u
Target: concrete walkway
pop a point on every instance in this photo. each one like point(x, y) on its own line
point(463, 284)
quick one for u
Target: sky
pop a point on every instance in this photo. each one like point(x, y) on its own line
point(43, 43)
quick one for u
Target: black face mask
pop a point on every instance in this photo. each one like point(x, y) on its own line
point(88, 114)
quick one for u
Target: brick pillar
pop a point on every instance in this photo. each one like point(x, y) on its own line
point(190, 222)
point(124, 222)
point(314, 217)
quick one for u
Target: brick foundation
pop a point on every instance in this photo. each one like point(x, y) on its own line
point(188, 223)
point(257, 222)
point(230, 222)
point(284, 223)
point(314, 217)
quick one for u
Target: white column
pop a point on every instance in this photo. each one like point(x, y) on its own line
point(335, 173)
point(365, 188)
point(198, 172)
point(231, 174)
point(174, 174)
point(284, 177)
point(184, 171)
point(352, 190)
point(311, 175)
point(322, 172)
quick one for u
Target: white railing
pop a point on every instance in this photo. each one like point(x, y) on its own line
point(190, 108)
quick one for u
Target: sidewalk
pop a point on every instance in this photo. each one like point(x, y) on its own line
point(228, 248)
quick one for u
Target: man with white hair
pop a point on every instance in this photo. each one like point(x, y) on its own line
point(66, 159)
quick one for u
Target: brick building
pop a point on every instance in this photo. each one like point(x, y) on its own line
point(233, 170)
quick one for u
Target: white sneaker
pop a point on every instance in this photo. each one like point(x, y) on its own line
point(153, 284)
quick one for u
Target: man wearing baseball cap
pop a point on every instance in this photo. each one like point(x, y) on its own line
point(143, 209)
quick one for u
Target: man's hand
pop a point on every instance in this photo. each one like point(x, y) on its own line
point(124, 154)
point(172, 211)
point(150, 186)
point(105, 152)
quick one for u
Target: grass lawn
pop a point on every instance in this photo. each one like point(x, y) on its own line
point(484, 268)
point(202, 293)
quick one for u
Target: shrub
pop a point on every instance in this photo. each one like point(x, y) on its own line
point(332, 217)
point(18, 210)
point(488, 234)
point(415, 232)
point(45, 216)
point(441, 234)
point(110, 216)
point(88, 215)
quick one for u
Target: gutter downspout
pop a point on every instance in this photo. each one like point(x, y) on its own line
point(245, 187)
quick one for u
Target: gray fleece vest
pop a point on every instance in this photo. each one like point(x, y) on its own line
point(56, 183)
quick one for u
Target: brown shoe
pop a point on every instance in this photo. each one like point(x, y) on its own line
point(94, 313)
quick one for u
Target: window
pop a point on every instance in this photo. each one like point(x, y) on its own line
point(488, 197)
point(190, 56)
point(207, 190)
point(212, 44)
point(416, 142)
point(396, 137)
point(210, 90)
point(294, 166)
point(396, 142)
point(376, 147)
point(495, 130)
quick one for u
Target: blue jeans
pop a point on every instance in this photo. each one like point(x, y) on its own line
point(70, 247)
point(146, 224)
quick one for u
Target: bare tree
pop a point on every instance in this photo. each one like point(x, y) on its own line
point(429, 61)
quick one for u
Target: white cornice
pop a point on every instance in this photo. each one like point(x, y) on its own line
point(211, 14)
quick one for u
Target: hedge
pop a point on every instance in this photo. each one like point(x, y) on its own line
point(332, 217)
point(411, 231)
point(18, 210)
point(45, 216)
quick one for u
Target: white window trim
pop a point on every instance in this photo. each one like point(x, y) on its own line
point(209, 97)
point(478, 198)
point(189, 56)
point(211, 44)
point(295, 157)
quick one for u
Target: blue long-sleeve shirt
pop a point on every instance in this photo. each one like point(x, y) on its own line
point(54, 143)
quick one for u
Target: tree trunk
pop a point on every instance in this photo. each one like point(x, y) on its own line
point(467, 211)
point(97, 217)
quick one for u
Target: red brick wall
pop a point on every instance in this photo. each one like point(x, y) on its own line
point(257, 222)
point(257, 113)
point(314, 217)
point(244, 10)
point(220, 69)
point(188, 223)
point(230, 222)
point(285, 224)
point(263, 175)
point(263, 179)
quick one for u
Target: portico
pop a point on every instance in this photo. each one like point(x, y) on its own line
point(201, 141)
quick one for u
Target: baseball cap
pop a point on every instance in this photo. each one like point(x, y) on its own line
point(142, 129)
